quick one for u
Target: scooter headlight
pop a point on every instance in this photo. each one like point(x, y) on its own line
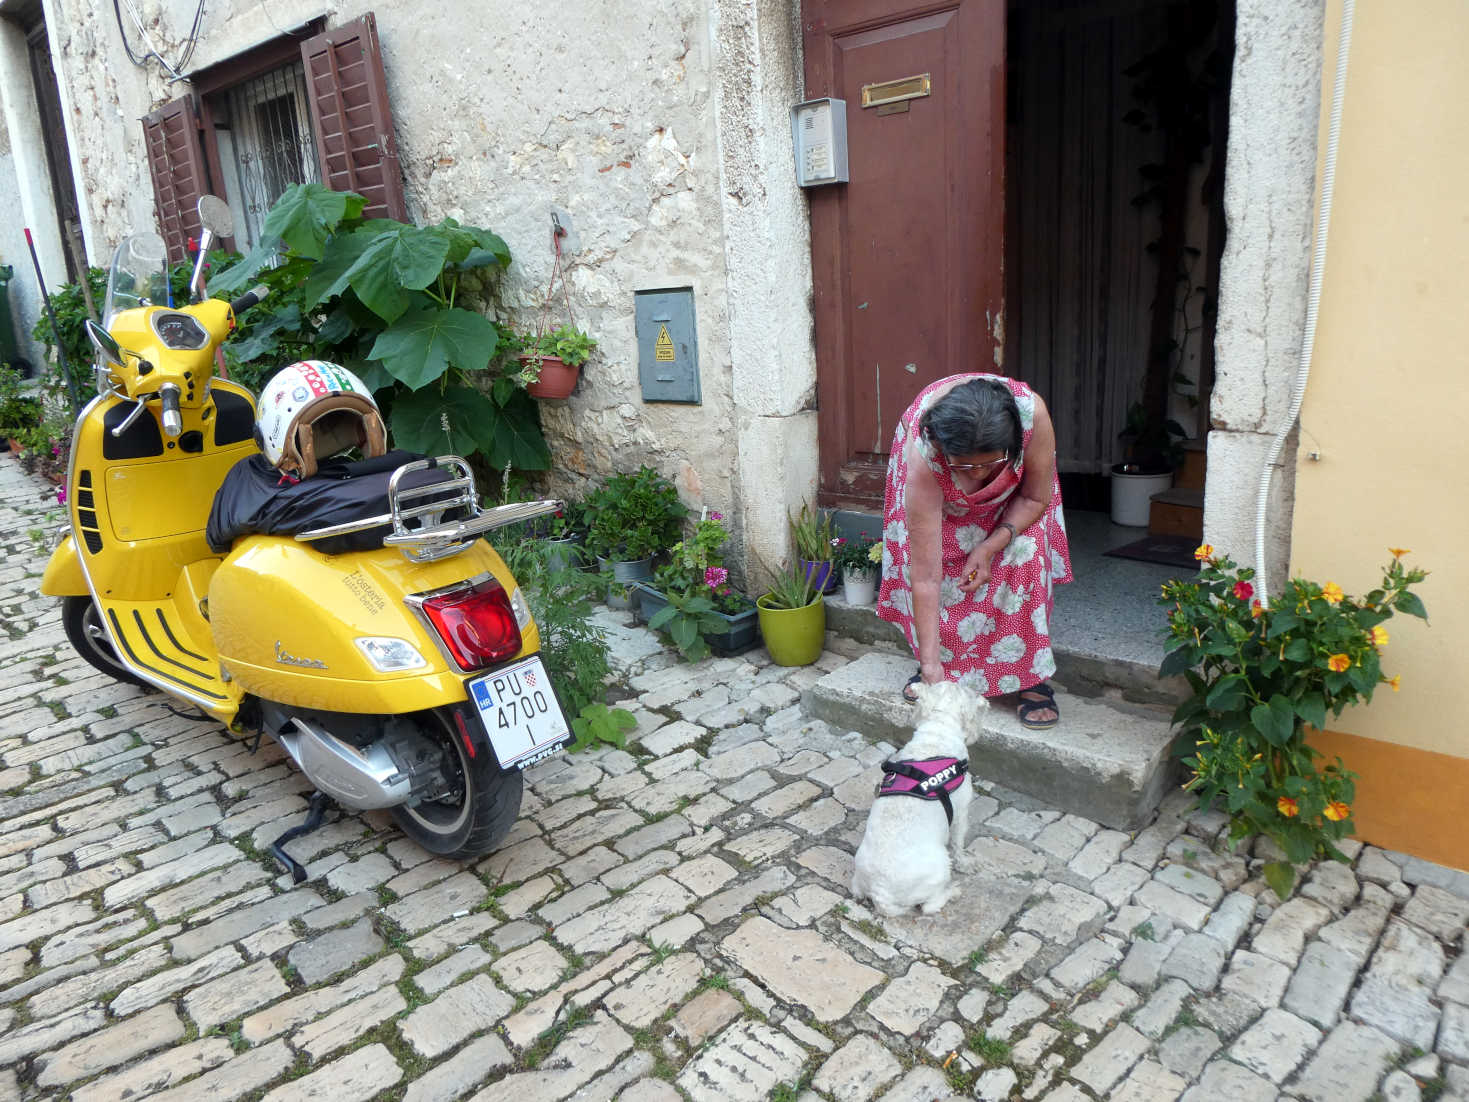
point(390, 655)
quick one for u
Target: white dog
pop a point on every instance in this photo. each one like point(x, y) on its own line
point(901, 862)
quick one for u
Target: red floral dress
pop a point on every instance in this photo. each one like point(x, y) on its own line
point(997, 639)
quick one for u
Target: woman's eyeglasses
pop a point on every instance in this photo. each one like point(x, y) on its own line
point(991, 465)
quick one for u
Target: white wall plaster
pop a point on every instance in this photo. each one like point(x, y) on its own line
point(35, 204)
point(1269, 196)
point(25, 190)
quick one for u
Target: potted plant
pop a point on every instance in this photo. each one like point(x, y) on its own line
point(792, 617)
point(551, 362)
point(811, 532)
point(563, 533)
point(858, 560)
point(1153, 451)
point(1259, 677)
point(690, 598)
point(631, 518)
point(19, 412)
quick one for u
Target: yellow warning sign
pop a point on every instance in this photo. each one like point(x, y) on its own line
point(663, 346)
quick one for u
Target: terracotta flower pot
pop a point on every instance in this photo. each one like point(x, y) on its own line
point(557, 378)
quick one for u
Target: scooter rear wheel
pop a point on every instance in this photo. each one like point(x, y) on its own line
point(82, 621)
point(481, 803)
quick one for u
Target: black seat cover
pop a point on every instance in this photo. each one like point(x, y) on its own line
point(253, 500)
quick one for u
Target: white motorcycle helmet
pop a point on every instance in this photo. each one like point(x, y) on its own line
point(314, 409)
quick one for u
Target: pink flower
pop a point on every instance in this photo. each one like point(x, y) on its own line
point(1244, 590)
point(61, 495)
point(714, 576)
point(716, 516)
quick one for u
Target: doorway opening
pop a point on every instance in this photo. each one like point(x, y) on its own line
point(1116, 129)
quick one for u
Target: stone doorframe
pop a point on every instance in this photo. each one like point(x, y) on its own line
point(767, 248)
point(1270, 207)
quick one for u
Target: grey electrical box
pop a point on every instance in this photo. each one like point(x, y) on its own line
point(668, 345)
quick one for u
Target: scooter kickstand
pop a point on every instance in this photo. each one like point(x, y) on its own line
point(314, 814)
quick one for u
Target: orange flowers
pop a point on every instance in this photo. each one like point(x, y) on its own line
point(1203, 551)
point(1256, 610)
point(1337, 663)
point(1332, 593)
point(1394, 680)
point(1380, 636)
point(1287, 807)
point(1336, 811)
point(1399, 552)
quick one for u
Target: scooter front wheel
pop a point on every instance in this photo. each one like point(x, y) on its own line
point(479, 802)
point(82, 621)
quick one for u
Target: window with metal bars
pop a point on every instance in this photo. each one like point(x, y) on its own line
point(287, 111)
point(263, 128)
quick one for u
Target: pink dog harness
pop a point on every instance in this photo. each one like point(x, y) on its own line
point(928, 779)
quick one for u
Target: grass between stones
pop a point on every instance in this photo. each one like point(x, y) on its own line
point(542, 1046)
point(790, 1091)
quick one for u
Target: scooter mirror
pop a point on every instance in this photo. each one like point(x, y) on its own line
point(103, 342)
point(215, 216)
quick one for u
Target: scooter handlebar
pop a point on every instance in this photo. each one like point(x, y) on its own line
point(249, 298)
point(173, 423)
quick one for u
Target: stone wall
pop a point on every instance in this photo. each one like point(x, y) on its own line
point(662, 130)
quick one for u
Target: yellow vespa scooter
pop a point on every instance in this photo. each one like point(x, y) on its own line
point(404, 677)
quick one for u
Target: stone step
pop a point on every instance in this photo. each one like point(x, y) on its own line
point(1108, 761)
point(1177, 512)
point(1195, 466)
point(1086, 665)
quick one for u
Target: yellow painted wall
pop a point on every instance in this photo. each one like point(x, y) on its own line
point(1387, 406)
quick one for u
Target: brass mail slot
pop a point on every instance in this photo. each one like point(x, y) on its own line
point(891, 91)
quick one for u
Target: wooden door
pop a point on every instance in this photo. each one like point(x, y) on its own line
point(906, 257)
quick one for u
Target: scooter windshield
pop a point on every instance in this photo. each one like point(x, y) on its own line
point(139, 276)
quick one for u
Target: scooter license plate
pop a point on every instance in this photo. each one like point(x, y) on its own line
point(520, 713)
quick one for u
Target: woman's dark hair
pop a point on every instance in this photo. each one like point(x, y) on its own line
point(977, 416)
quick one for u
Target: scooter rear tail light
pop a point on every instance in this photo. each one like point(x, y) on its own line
point(476, 624)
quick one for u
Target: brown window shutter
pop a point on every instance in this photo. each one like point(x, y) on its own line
point(351, 117)
point(176, 162)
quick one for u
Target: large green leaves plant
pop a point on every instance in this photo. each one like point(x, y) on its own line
point(401, 306)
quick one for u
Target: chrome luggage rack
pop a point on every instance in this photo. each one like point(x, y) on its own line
point(419, 528)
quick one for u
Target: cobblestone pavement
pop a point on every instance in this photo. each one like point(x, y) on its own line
point(668, 922)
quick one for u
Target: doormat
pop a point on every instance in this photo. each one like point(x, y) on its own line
point(1167, 550)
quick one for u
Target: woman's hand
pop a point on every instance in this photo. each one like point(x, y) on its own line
point(976, 569)
point(932, 672)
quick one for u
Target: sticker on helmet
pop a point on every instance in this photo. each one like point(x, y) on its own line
point(313, 378)
point(300, 394)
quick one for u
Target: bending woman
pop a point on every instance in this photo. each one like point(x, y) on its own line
point(974, 540)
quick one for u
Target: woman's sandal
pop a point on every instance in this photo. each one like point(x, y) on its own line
point(916, 679)
point(1027, 708)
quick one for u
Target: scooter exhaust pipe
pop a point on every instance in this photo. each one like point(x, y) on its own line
point(362, 779)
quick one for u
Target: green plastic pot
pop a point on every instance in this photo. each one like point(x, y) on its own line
point(793, 636)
